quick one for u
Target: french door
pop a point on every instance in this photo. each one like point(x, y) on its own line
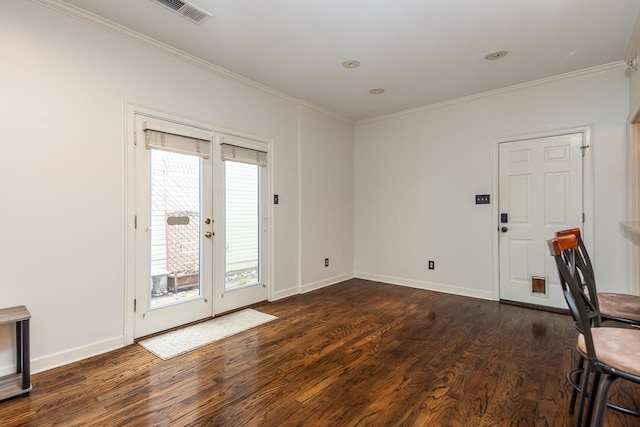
point(174, 230)
point(201, 223)
point(540, 192)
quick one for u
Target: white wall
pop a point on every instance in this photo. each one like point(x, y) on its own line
point(416, 176)
point(63, 86)
point(327, 199)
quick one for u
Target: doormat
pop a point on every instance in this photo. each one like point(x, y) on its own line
point(178, 342)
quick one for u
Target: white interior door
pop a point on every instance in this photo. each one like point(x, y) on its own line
point(540, 192)
point(174, 231)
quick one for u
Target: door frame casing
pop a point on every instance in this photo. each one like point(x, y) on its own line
point(633, 196)
point(130, 110)
point(587, 191)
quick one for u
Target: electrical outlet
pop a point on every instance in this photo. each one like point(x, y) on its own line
point(482, 199)
point(326, 262)
point(432, 265)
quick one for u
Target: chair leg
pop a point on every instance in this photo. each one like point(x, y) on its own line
point(603, 397)
point(580, 363)
point(592, 397)
point(583, 392)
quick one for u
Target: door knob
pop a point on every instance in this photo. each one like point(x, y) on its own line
point(504, 229)
point(208, 234)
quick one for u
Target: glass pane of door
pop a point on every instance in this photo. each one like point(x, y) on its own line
point(175, 228)
point(242, 215)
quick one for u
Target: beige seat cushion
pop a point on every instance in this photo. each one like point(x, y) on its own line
point(617, 347)
point(620, 305)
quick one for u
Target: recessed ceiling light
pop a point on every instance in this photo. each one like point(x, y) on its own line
point(376, 91)
point(496, 55)
point(352, 63)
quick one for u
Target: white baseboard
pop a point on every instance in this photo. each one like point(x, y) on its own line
point(311, 286)
point(44, 363)
point(429, 286)
point(7, 370)
point(51, 361)
point(285, 293)
point(326, 282)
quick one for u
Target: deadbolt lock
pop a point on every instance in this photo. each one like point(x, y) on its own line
point(207, 220)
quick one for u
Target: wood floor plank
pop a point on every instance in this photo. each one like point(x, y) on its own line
point(359, 353)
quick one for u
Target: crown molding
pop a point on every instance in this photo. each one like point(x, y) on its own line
point(112, 27)
point(584, 72)
point(105, 24)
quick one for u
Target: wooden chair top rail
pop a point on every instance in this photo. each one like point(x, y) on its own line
point(562, 243)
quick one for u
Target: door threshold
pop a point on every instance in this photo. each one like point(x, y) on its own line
point(175, 328)
point(206, 319)
point(535, 306)
point(252, 306)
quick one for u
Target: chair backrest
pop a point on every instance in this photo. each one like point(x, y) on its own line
point(583, 263)
point(564, 249)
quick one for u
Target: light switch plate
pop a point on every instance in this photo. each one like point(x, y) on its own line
point(482, 199)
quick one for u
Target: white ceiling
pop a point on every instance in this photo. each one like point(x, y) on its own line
point(421, 51)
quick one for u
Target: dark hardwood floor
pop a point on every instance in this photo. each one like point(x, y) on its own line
point(357, 353)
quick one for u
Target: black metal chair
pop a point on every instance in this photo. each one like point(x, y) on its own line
point(623, 308)
point(610, 353)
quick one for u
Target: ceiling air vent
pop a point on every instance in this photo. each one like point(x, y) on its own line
point(185, 9)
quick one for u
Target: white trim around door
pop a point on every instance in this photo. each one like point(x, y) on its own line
point(130, 112)
point(633, 197)
point(587, 189)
